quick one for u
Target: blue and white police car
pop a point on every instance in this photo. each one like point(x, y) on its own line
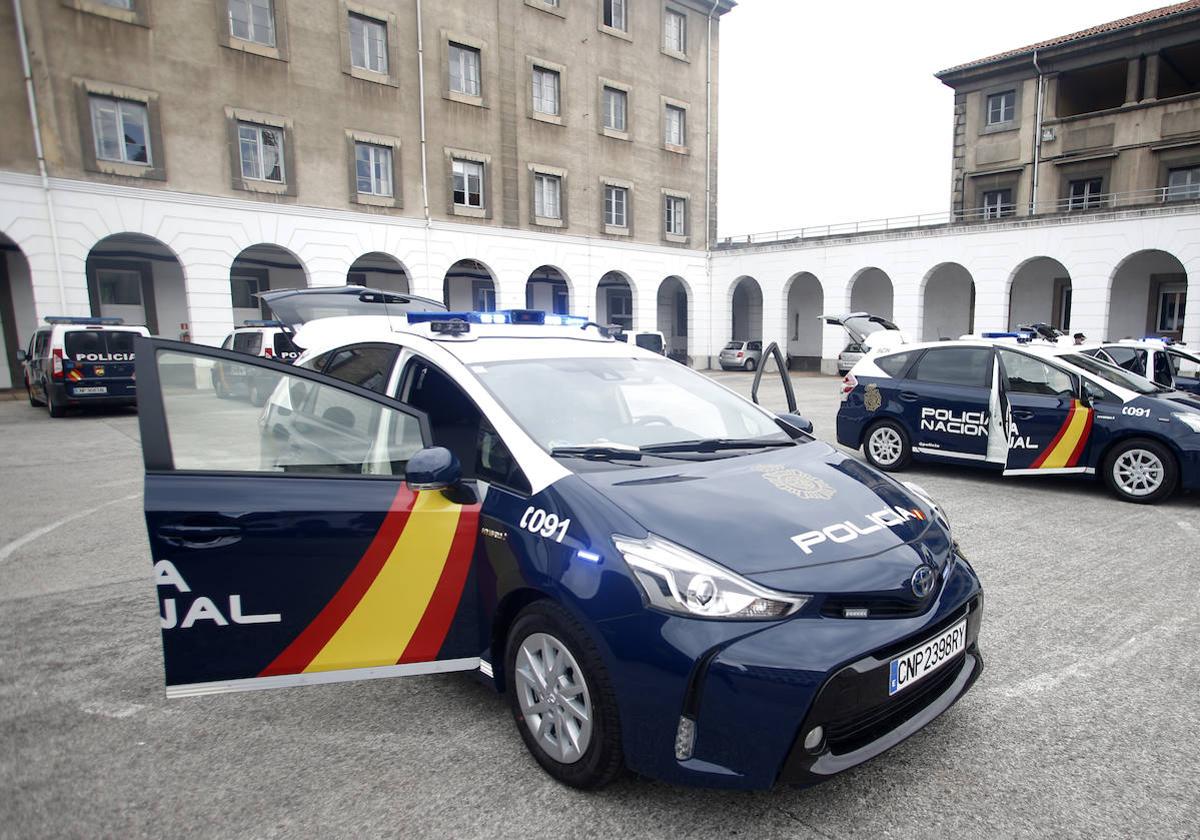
point(659, 573)
point(1011, 402)
point(1167, 363)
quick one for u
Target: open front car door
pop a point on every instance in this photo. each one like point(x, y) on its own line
point(1049, 426)
point(288, 548)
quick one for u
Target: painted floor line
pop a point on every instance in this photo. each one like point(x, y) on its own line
point(20, 542)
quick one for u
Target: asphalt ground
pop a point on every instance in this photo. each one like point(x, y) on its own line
point(1086, 722)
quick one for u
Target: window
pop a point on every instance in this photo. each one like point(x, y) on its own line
point(676, 126)
point(1171, 300)
point(675, 31)
point(119, 288)
point(468, 183)
point(121, 129)
point(1131, 359)
point(119, 4)
point(620, 307)
point(1027, 375)
point(373, 169)
point(483, 293)
point(616, 201)
point(1084, 193)
point(998, 203)
point(464, 70)
point(1183, 184)
point(252, 20)
point(244, 289)
point(681, 313)
point(896, 364)
point(562, 300)
point(1001, 107)
point(368, 44)
point(261, 150)
point(614, 14)
point(615, 102)
point(970, 366)
point(248, 342)
point(545, 91)
point(675, 215)
point(365, 365)
point(547, 196)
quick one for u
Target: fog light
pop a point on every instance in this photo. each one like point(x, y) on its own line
point(813, 739)
point(685, 738)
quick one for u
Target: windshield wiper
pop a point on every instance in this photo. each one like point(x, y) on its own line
point(715, 445)
point(599, 452)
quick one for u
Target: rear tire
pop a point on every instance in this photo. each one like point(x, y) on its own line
point(1141, 471)
point(887, 447)
point(749, 365)
point(52, 406)
point(580, 683)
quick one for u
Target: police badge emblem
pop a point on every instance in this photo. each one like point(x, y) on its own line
point(872, 399)
point(796, 482)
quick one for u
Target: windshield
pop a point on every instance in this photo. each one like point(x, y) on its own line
point(650, 341)
point(621, 403)
point(1115, 375)
point(734, 345)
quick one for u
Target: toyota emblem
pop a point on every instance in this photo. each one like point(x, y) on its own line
point(922, 581)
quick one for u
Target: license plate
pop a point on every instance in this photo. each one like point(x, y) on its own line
point(927, 657)
point(91, 389)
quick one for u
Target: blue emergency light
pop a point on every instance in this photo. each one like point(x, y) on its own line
point(534, 317)
point(1021, 337)
point(261, 322)
point(94, 322)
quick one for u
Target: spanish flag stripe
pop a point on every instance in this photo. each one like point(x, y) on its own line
point(435, 623)
point(1069, 438)
point(1083, 438)
point(1045, 455)
point(385, 618)
point(296, 657)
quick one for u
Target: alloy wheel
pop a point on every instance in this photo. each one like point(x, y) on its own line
point(554, 697)
point(886, 445)
point(1138, 472)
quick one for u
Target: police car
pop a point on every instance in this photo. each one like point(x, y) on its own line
point(660, 574)
point(1012, 403)
point(74, 362)
point(1166, 362)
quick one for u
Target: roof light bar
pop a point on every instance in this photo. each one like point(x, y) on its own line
point(528, 317)
point(261, 322)
point(98, 322)
point(1021, 337)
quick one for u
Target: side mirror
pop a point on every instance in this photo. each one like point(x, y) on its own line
point(797, 421)
point(22, 356)
point(433, 468)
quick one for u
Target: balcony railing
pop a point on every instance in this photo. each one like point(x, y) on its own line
point(1071, 205)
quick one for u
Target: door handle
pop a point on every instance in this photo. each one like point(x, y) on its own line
point(1022, 414)
point(200, 536)
point(909, 396)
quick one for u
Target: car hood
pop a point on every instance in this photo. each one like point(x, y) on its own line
point(779, 510)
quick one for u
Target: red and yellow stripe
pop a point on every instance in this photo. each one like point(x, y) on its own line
point(1067, 447)
point(398, 603)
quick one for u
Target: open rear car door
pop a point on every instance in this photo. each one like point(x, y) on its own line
point(288, 548)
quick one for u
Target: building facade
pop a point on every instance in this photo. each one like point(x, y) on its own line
point(198, 151)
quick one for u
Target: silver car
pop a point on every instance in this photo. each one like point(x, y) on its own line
point(741, 355)
point(858, 326)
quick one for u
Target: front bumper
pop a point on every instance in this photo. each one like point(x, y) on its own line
point(753, 696)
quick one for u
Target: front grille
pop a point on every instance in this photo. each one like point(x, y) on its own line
point(855, 732)
point(876, 607)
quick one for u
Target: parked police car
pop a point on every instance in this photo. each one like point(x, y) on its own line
point(659, 573)
point(1167, 363)
point(74, 362)
point(263, 338)
point(1023, 407)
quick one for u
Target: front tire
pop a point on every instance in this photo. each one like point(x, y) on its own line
point(561, 698)
point(1141, 471)
point(887, 447)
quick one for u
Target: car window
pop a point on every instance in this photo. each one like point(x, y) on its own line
point(1182, 363)
point(1114, 374)
point(1097, 393)
point(456, 423)
point(754, 345)
point(285, 348)
point(734, 345)
point(317, 363)
point(1164, 374)
point(1027, 375)
point(247, 342)
point(1129, 358)
point(895, 364)
point(970, 366)
point(365, 365)
point(306, 427)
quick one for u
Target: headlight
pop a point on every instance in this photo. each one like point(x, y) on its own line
point(1192, 421)
point(676, 580)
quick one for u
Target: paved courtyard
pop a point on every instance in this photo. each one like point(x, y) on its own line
point(1085, 723)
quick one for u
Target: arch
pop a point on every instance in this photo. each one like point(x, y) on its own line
point(675, 316)
point(1147, 295)
point(378, 270)
point(138, 278)
point(804, 303)
point(258, 268)
point(1040, 292)
point(871, 291)
point(615, 300)
point(469, 286)
point(947, 302)
point(746, 310)
point(549, 290)
point(18, 314)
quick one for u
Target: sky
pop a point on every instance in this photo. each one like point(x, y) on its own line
point(829, 111)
